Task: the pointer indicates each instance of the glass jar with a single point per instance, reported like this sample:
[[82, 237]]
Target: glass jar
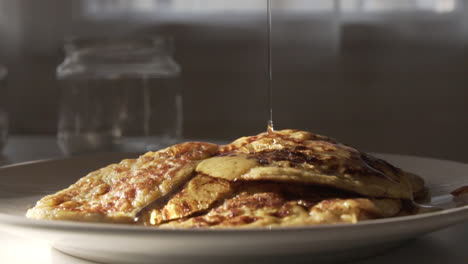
[[118, 94], [3, 108]]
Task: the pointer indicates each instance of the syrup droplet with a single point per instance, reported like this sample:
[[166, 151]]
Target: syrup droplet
[[270, 128]]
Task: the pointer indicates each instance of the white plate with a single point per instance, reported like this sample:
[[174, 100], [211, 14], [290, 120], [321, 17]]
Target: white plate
[[21, 185]]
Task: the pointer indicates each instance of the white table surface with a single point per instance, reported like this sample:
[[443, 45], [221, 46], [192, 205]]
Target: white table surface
[[448, 246]]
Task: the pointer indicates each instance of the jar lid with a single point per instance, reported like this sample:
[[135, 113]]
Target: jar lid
[[117, 57]]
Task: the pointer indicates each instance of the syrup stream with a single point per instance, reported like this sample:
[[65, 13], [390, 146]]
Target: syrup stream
[[270, 128]]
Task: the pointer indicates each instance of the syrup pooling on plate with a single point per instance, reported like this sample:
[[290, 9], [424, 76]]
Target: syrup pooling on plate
[[460, 196]]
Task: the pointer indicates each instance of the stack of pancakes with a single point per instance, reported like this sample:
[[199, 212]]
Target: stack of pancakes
[[280, 178]]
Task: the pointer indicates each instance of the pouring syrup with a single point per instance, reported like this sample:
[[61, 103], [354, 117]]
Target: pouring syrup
[[270, 128]]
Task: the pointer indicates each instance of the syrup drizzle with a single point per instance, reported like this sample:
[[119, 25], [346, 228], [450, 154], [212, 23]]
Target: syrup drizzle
[[270, 128]]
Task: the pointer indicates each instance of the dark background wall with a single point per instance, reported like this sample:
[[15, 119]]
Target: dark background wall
[[385, 76]]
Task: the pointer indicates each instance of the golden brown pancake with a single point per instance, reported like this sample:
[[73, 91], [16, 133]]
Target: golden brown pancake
[[281, 178], [297, 156], [197, 195], [118, 192], [204, 192], [272, 210]]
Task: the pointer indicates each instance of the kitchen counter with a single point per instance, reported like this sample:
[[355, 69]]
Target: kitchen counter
[[444, 246]]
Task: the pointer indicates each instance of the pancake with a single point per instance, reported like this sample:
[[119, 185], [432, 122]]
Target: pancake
[[296, 156], [197, 195], [270, 209], [204, 192], [118, 192], [280, 178]]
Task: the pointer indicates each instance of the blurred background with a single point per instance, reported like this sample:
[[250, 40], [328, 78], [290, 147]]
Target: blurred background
[[384, 76]]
